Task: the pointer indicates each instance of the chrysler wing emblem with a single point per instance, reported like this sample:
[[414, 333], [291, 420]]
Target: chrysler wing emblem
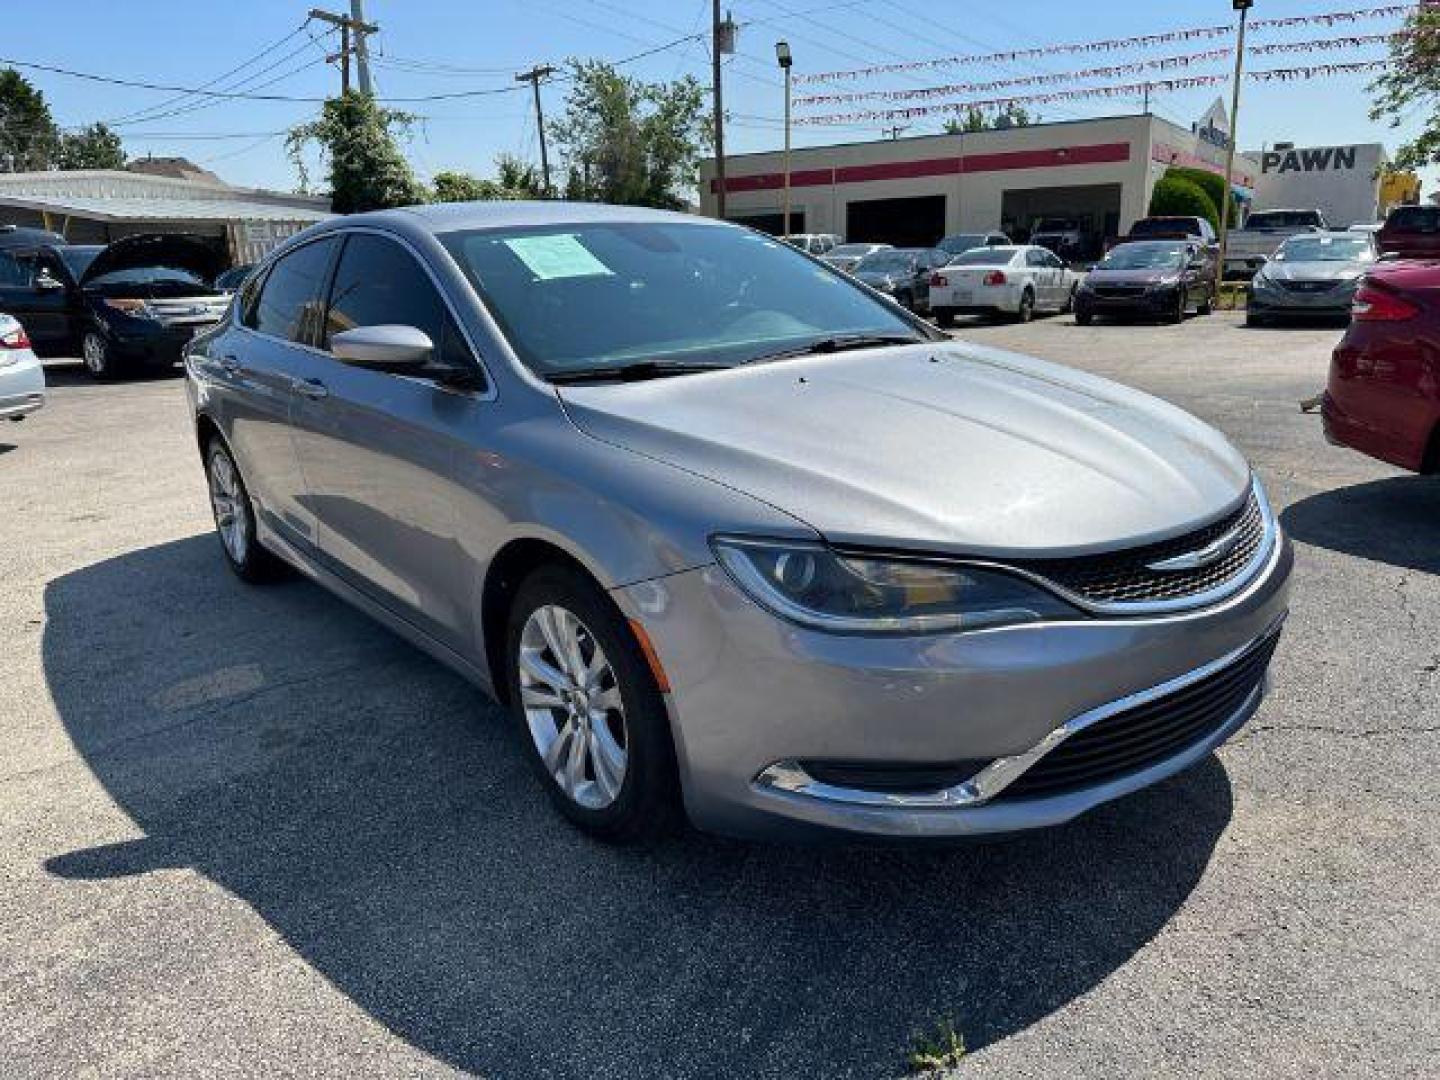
[[1200, 557]]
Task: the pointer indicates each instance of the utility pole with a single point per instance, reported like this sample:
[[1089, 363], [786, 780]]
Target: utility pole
[[533, 77], [786, 60], [894, 131], [353, 32], [1242, 6], [362, 50], [1147, 98], [722, 40]]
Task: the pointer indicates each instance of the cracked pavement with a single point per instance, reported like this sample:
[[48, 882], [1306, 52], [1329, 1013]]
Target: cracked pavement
[[247, 832]]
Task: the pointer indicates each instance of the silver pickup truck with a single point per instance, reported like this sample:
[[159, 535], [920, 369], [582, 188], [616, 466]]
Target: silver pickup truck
[[1247, 249]]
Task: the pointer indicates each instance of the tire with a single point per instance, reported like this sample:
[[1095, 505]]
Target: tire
[[1026, 311], [1178, 315], [905, 300], [1207, 306], [1083, 317], [235, 518], [944, 318], [1253, 318], [629, 798], [1070, 300], [100, 362]]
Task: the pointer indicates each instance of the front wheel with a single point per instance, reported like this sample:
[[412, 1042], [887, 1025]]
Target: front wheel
[[1070, 300], [944, 318], [1083, 317], [905, 300], [588, 704], [1177, 314], [95, 351], [1207, 305]]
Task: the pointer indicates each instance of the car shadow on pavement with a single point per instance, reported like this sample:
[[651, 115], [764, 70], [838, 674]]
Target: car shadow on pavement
[[375, 809], [1395, 521]]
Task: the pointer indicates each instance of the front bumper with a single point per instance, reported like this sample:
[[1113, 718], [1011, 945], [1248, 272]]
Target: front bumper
[[22, 388], [750, 692], [1152, 302], [154, 343], [1282, 303]]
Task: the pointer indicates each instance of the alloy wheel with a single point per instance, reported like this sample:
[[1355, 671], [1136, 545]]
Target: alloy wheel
[[232, 510], [93, 351], [573, 707]]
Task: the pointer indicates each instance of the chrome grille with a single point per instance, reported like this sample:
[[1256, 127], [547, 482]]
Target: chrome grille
[[1308, 286], [1128, 577], [1138, 738]]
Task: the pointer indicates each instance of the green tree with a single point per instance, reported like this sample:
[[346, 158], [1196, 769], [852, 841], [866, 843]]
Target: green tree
[[357, 137], [1411, 83], [28, 137], [93, 147], [1011, 116], [1176, 195], [514, 179], [626, 141]]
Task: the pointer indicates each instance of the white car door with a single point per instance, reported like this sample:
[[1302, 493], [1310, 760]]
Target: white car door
[[1042, 276]]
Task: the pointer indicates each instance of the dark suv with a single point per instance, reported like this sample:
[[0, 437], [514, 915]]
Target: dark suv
[[1411, 232]]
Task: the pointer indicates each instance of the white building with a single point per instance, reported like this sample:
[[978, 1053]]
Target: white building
[[914, 191], [97, 206], [1341, 181]]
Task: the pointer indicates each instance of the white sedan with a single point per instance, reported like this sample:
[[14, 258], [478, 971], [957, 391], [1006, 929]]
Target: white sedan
[[22, 379], [1017, 280]]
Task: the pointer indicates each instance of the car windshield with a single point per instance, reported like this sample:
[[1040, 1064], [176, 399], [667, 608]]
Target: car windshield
[[962, 242], [1165, 227], [1415, 219], [148, 275], [78, 257], [996, 256], [607, 295], [1326, 249], [887, 262], [852, 250], [1144, 257]]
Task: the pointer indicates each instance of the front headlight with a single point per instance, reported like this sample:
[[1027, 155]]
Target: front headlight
[[809, 584]]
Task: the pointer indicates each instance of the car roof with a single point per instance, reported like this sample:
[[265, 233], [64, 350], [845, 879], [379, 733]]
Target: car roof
[[506, 214]]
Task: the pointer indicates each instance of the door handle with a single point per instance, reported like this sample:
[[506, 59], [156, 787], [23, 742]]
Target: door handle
[[313, 389]]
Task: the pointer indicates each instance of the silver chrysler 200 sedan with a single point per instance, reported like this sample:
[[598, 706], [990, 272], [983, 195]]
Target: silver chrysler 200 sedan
[[731, 534]]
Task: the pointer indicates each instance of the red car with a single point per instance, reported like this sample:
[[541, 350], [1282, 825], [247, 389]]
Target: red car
[[1411, 232], [1383, 397]]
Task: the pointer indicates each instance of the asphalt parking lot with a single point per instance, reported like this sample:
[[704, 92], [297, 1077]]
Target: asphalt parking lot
[[248, 832]]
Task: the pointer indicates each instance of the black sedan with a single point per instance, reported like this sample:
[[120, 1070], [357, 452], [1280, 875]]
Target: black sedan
[[1158, 279], [902, 274]]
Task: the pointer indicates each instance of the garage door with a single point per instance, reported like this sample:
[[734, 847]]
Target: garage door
[[917, 222]]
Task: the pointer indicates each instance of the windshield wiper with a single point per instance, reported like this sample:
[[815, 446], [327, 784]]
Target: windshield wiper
[[840, 343], [636, 372]]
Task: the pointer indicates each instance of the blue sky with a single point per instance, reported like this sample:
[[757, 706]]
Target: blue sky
[[437, 46]]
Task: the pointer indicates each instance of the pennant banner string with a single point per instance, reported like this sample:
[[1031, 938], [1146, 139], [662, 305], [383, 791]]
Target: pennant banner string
[[1113, 44]]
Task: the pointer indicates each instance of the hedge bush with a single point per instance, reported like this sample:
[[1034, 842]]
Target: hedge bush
[[1175, 195]]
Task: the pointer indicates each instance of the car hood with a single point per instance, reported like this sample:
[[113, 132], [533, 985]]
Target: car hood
[[936, 447], [1315, 271], [200, 255], [1146, 276]]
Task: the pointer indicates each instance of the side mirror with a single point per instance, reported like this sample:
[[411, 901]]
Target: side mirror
[[384, 348], [1390, 256]]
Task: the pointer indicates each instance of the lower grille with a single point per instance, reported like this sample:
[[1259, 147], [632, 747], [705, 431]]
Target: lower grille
[[893, 779], [1119, 292], [1138, 738], [1130, 577], [1308, 286]]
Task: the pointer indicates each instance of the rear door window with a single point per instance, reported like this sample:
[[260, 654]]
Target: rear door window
[[292, 295]]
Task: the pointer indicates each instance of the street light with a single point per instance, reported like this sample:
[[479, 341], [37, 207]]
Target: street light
[[783, 57]]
